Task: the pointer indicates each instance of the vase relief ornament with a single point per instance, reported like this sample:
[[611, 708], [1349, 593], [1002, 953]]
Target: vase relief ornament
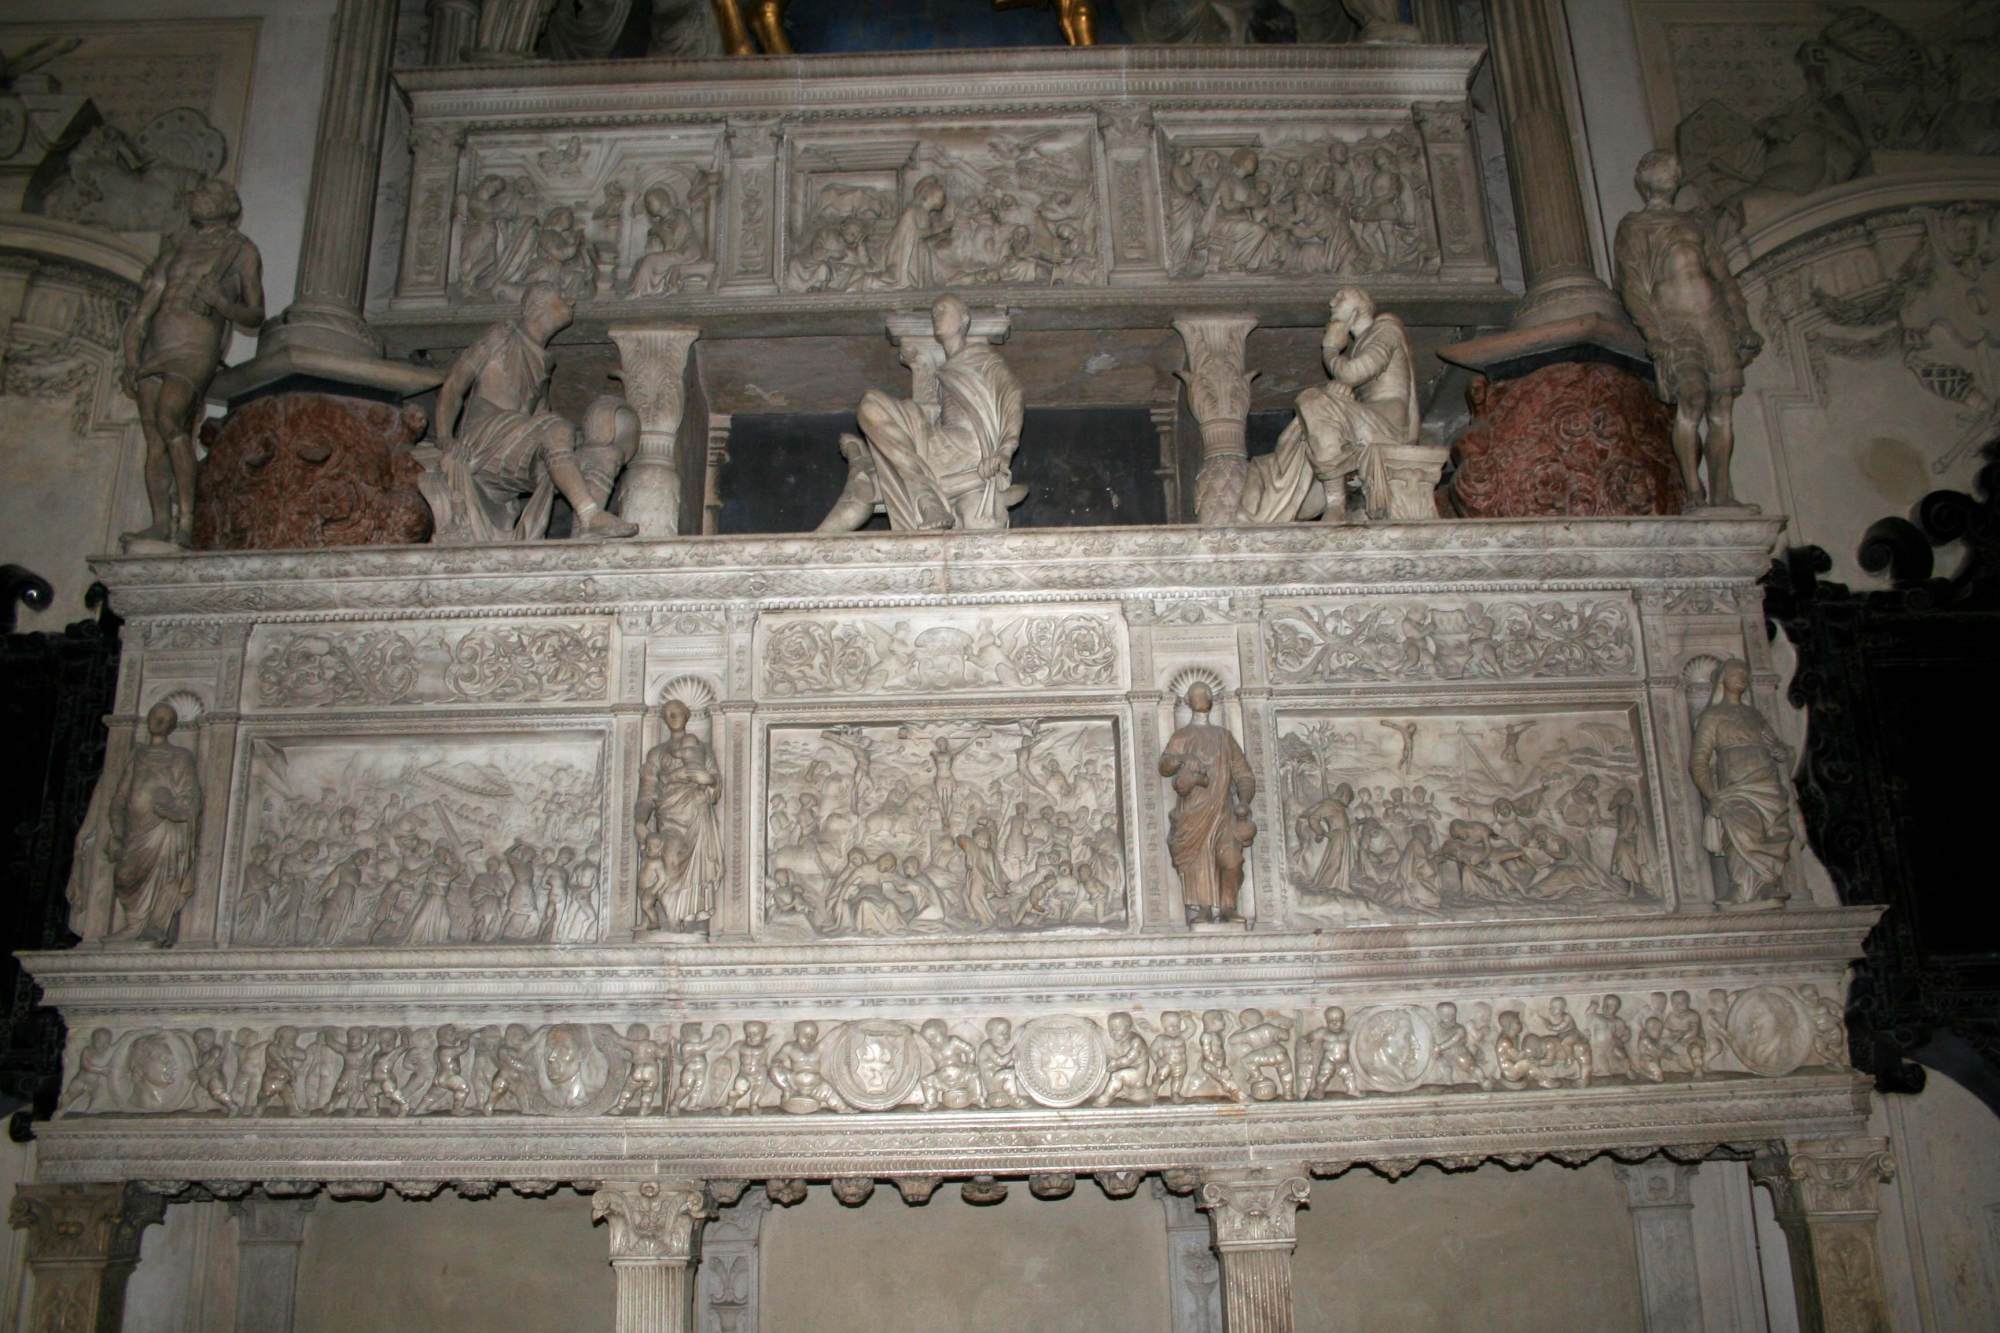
[[1676, 284], [1491, 1044], [1210, 828], [505, 455], [943, 828], [675, 822], [948, 471], [1738, 764], [208, 279]]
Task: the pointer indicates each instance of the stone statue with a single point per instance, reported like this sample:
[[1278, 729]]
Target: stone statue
[[1210, 824], [205, 280], [1381, 21], [680, 839], [505, 460], [1077, 18], [1676, 284], [1344, 426], [508, 29], [747, 27], [937, 475], [155, 814], [1738, 765]]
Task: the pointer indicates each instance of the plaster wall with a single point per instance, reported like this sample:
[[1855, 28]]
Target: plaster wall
[[1947, 1201]]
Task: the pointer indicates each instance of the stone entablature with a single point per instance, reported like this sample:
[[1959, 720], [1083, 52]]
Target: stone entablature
[[1086, 188]]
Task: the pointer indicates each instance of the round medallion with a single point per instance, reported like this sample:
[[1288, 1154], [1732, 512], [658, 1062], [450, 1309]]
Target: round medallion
[[1392, 1047], [1062, 1060], [1770, 1030], [873, 1064]]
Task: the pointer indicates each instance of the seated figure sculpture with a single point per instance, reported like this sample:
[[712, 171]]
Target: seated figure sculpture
[[1370, 404], [505, 454], [953, 472]]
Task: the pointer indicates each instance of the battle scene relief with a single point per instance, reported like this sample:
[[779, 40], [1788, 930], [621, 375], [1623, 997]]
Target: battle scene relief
[[1465, 816], [937, 828], [421, 842]]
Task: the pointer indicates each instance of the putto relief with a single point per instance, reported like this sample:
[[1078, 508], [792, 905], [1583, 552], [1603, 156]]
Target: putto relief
[[956, 827], [960, 208], [1238, 206], [1446, 638], [984, 652], [1466, 816], [1476, 1043], [421, 841]]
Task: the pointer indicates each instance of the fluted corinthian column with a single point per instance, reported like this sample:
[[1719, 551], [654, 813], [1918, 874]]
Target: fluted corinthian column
[[653, 360], [83, 1242], [325, 315], [1527, 47], [654, 1224], [1823, 1192], [1255, 1215], [1218, 389]]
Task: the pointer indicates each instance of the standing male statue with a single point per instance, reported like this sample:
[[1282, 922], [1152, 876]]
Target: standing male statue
[[948, 473], [1738, 766], [1342, 426], [680, 839], [206, 279], [1210, 826], [1674, 281], [507, 456], [154, 815]]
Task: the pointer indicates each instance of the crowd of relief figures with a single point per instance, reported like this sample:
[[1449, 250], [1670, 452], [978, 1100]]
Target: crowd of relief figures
[[943, 827], [444, 842], [806, 1066], [1466, 815], [1300, 207], [1448, 638]]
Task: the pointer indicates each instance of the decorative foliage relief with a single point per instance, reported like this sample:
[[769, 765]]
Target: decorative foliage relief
[[326, 668], [1452, 639], [421, 841], [1466, 816], [943, 827], [1492, 1043], [811, 657]]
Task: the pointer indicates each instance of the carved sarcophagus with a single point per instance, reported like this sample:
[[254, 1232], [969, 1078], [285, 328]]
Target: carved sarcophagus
[[866, 852]]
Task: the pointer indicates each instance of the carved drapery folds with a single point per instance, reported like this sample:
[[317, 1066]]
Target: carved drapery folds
[[1824, 1194]]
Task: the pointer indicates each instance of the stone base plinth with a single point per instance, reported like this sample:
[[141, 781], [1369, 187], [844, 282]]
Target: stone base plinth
[[1576, 439], [308, 470]]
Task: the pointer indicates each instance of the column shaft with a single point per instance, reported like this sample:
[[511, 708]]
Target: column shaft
[[1257, 1291], [340, 204], [1255, 1212], [1218, 389], [653, 360], [1823, 1192], [653, 1296]]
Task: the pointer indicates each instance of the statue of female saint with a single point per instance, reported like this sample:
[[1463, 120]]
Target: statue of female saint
[[154, 815], [1210, 826], [1738, 767], [675, 820]]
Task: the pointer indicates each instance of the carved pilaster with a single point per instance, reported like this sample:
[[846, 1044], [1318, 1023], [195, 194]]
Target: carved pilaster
[[1466, 249], [654, 1225], [268, 1235], [454, 23], [427, 229], [340, 204], [1254, 1212], [653, 359], [1824, 1194], [729, 1284], [1659, 1194], [1218, 390], [1526, 44], [83, 1242], [750, 241], [1133, 190], [1194, 1280]]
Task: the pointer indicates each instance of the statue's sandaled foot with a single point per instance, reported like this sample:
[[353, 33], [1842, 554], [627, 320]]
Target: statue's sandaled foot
[[604, 523]]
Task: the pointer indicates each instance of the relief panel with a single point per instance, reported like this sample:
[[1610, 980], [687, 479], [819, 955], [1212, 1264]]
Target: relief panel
[[1467, 816], [956, 207], [1001, 650], [445, 662], [420, 841], [1452, 638], [965, 826]]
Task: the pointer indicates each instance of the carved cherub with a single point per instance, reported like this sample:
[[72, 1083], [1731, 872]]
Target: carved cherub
[[277, 1089], [1686, 1046], [999, 1083], [644, 1080], [1170, 1058], [1212, 1054], [795, 1069], [1829, 1027], [209, 1072], [385, 1089], [1649, 1049], [694, 1054], [1131, 1064], [1264, 1053], [1333, 1061], [753, 1069], [514, 1074], [953, 1084], [449, 1089], [1612, 1050], [1568, 1039], [92, 1078], [1454, 1057]]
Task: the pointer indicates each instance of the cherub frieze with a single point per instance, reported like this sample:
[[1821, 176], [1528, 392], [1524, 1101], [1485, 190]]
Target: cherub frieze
[[1491, 1044]]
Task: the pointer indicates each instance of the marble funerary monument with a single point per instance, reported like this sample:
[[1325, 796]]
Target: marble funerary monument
[[1312, 832]]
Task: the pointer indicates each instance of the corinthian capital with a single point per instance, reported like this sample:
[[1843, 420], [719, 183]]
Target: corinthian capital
[[652, 1219]]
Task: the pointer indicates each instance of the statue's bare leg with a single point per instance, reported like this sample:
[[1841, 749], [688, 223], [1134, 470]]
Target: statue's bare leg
[[159, 466], [179, 406], [735, 35], [591, 517], [1690, 410], [1719, 446], [767, 19]]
